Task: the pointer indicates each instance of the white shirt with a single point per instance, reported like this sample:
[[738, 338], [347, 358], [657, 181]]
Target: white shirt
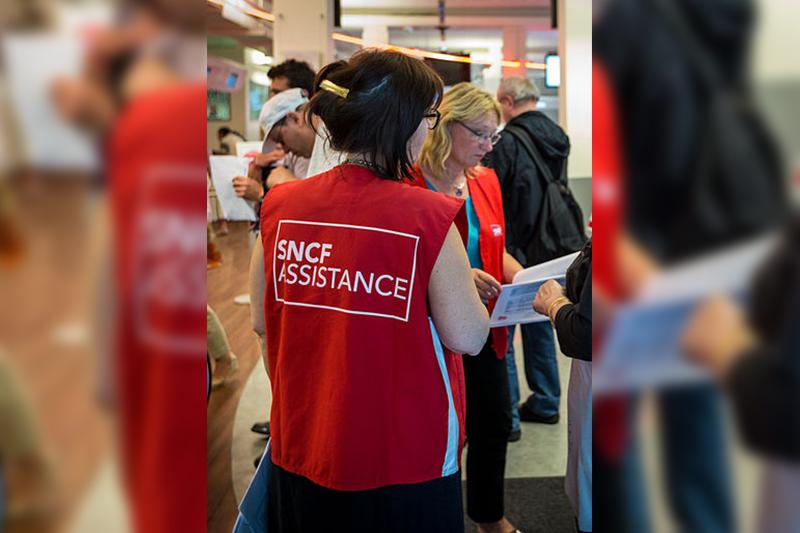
[[323, 157]]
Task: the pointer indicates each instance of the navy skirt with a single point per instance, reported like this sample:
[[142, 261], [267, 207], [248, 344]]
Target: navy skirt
[[296, 505]]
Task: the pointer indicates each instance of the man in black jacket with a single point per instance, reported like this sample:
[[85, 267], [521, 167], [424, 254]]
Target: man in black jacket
[[523, 194]]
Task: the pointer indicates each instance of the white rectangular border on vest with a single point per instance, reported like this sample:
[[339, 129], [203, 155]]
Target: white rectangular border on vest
[[332, 308]]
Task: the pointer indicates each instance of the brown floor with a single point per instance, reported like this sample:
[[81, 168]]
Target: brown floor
[[224, 283], [44, 290]]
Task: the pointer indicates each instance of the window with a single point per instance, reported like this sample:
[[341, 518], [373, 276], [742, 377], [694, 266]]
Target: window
[[258, 95], [218, 106]]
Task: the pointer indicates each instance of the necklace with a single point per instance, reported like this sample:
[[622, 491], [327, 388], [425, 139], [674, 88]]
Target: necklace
[[377, 169], [459, 189]]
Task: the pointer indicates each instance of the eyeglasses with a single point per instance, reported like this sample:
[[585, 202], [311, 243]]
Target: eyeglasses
[[491, 137], [433, 118]]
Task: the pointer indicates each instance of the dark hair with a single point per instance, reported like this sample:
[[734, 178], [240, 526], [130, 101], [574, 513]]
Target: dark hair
[[299, 74], [389, 93], [323, 73], [225, 130]]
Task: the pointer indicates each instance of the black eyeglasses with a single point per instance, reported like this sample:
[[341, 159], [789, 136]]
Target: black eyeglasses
[[433, 119], [491, 137]]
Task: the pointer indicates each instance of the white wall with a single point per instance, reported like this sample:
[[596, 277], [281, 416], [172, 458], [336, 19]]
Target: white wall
[[302, 31], [575, 106]]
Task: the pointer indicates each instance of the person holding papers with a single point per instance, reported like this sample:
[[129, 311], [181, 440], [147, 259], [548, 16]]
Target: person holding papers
[[754, 353], [570, 311], [449, 164]]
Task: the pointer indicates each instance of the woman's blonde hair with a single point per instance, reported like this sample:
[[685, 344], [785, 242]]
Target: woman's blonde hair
[[463, 102]]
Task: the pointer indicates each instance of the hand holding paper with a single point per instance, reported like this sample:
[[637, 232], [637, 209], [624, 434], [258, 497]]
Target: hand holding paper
[[548, 296], [515, 305], [646, 342], [223, 169], [247, 188]]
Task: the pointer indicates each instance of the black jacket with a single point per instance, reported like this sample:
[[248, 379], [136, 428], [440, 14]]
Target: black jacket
[[520, 180], [573, 321], [679, 203], [765, 383]]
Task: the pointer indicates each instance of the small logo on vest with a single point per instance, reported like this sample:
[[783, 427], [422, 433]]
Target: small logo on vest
[[497, 230]]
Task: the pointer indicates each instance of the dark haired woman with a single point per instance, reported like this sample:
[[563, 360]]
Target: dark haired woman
[[367, 282]]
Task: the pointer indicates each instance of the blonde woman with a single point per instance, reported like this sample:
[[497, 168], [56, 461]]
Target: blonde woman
[[449, 164]]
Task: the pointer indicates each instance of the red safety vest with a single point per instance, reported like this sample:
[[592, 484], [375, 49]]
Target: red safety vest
[[484, 189], [364, 395], [157, 180]]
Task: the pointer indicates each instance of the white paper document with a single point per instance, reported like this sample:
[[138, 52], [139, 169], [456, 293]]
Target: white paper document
[[223, 169], [244, 148], [642, 347], [515, 304], [555, 268]]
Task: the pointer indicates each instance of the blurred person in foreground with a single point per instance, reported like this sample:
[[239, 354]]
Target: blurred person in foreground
[[698, 172], [367, 396], [570, 311], [145, 75], [450, 164], [755, 356]]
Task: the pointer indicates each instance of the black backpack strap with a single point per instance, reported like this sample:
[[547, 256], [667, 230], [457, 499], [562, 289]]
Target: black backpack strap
[[522, 136]]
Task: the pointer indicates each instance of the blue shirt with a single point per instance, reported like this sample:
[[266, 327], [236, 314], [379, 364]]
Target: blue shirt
[[473, 247]]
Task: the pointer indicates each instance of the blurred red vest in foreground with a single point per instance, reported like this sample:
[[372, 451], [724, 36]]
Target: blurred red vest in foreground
[[157, 172]]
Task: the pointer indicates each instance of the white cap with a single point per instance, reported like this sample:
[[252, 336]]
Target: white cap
[[275, 109]]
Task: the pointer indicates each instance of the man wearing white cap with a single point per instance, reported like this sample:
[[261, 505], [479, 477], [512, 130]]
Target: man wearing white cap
[[283, 122], [288, 143]]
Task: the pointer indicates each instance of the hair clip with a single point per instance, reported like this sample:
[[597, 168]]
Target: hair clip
[[331, 87]]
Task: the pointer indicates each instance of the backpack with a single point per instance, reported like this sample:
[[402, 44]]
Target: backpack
[[559, 227], [736, 189]]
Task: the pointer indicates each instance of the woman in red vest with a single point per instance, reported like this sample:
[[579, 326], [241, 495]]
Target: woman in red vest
[[449, 165], [368, 289]]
